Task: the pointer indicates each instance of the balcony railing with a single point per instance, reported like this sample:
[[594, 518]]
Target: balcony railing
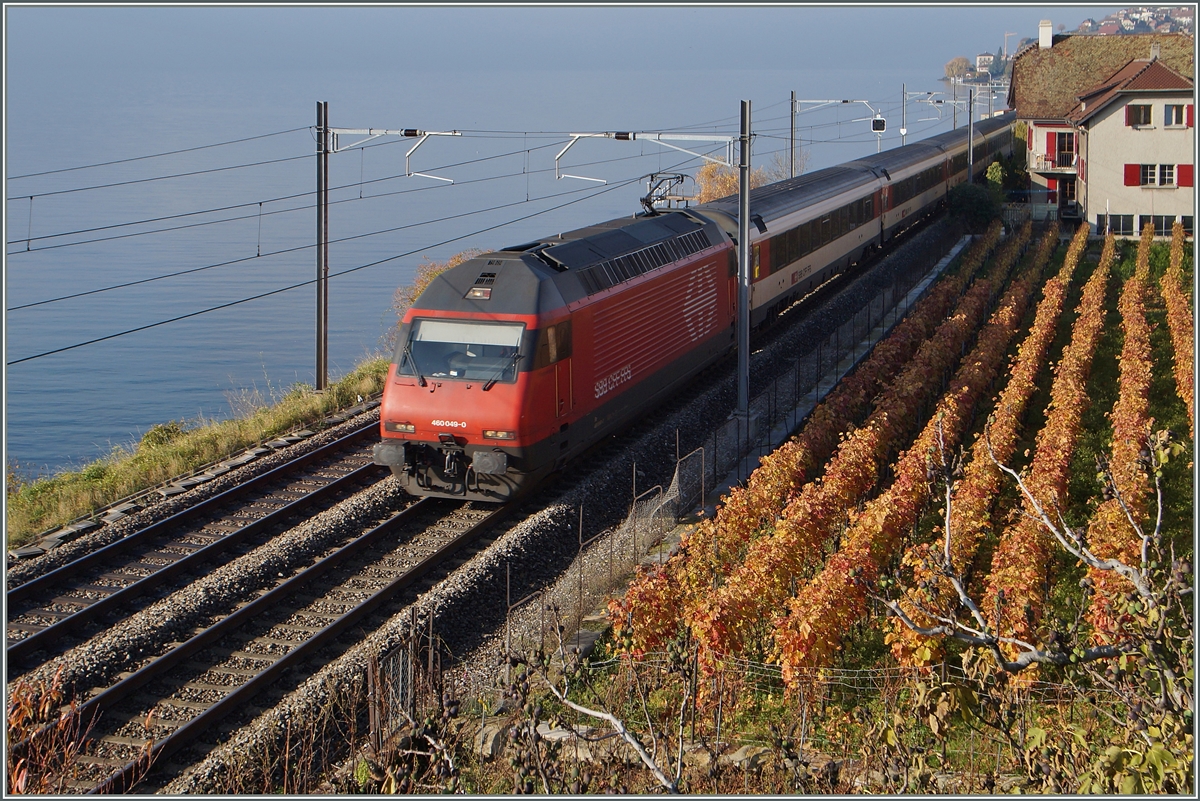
[[1055, 162]]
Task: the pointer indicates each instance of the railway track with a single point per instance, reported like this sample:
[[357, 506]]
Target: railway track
[[155, 713], [57, 609]]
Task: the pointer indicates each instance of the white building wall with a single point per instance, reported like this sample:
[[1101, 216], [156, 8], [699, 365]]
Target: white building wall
[[1107, 145]]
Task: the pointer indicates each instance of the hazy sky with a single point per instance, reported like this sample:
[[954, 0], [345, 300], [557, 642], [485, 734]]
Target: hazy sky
[[538, 38]]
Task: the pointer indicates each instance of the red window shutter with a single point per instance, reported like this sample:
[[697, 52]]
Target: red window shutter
[[1183, 175], [1051, 184], [1128, 116], [1133, 174], [1050, 142], [1190, 124]]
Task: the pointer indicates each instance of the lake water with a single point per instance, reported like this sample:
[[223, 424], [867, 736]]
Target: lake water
[[71, 407]]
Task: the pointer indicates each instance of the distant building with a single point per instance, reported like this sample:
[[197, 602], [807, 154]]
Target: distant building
[[1048, 79], [1109, 29], [983, 62]]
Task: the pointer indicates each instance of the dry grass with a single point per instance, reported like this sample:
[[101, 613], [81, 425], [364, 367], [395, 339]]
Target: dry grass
[[173, 449]]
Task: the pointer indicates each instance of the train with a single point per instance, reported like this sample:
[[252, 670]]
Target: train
[[513, 363]]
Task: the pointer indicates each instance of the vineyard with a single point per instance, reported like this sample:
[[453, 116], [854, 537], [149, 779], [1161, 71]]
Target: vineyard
[[1003, 489]]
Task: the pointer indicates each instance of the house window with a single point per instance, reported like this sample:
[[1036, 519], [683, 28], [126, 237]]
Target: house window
[[1119, 224], [1187, 221], [1137, 115], [1166, 174], [1162, 223], [1173, 115], [1148, 175]]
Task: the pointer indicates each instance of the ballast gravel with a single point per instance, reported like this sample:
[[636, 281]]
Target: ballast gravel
[[158, 508], [175, 618], [468, 608]]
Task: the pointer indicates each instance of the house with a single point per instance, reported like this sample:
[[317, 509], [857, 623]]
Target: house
[[1135, 157], [1048, 78], [983, 62]]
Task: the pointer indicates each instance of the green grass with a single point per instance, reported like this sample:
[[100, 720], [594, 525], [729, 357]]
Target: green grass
[[173, 449]]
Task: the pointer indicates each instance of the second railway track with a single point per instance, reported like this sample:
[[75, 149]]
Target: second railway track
[[55, 610]]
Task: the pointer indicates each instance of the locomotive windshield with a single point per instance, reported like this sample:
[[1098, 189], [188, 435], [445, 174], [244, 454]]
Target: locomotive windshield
[[462, 349]]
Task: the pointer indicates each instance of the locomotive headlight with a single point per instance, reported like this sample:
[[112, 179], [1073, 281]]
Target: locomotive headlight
[[479, 292], [491, 433], [399, 428]]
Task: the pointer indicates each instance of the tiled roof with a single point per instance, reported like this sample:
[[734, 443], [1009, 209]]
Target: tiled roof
[[1046, 83], [1139, 75]]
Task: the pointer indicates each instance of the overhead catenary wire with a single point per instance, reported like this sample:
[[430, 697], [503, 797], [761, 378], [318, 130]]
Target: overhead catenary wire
[[249, 204], [285, 251], [481, 133], [280, 198], [306, 246], [156, 155], [611, 187]]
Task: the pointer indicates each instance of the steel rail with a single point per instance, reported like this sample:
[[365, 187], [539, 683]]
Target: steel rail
[[17, 653], [125, 778], [54, 577]]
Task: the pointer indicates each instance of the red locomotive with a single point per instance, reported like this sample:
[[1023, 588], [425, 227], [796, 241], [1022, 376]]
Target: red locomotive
[[514, 362]]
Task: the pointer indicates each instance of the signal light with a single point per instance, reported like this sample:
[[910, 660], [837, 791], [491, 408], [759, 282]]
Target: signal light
[[879, 125], [491, 433]]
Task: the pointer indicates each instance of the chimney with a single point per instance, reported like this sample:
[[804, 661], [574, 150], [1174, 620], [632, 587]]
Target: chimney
[[1045, 34], [1154, 51]]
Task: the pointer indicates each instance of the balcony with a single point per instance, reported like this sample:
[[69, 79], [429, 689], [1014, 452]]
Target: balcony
[[1054, 163]]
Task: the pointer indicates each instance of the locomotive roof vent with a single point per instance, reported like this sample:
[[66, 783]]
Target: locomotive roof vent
[[486, 279]]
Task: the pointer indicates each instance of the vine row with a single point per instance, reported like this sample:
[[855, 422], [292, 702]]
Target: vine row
[[975, 494], [1015, 594], [655, 603], [732, 617], [1179, 321], [1109, 534], [824, 610]]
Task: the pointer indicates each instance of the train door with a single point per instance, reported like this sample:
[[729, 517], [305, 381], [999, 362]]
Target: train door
[[562, 380]]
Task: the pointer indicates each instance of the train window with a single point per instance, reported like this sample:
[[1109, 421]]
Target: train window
[[464, 349], [554, 345], [803, 240], [868, 208]]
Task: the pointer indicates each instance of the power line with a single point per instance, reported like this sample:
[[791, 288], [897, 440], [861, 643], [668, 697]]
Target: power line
[[242, 205], [158, 178], [156, 155], [291, 197], [314, 280], [287, 250]]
